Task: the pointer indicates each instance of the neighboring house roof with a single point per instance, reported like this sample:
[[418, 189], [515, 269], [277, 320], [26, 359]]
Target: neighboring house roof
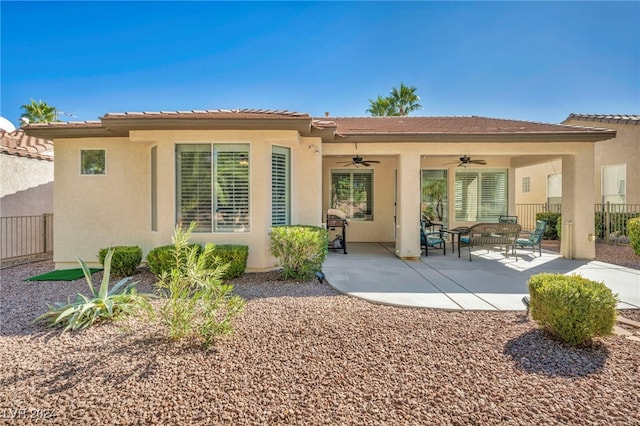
[[632, 119], [338, 129], [22, 145]]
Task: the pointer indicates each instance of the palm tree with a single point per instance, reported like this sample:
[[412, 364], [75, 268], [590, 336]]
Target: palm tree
[[401, 102], [405, 99], [39, 112], [381, 107]]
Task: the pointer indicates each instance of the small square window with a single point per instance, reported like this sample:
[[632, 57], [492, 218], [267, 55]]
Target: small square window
[[92, 162]]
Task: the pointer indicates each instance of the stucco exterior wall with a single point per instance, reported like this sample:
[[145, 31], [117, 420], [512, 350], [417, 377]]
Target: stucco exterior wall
[[97, 211], [122, 198], [537, 181], [26, 186], [623, 149]]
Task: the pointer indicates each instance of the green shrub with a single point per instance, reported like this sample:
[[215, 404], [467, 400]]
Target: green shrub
[[559, 227], [229, 254], [162, 259], [572, 307], [551, 233], [125, 261], [198, 303], [300, 249], [101, 305], [634, 234]]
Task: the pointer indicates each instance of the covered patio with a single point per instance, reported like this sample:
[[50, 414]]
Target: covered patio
[[491, 282]]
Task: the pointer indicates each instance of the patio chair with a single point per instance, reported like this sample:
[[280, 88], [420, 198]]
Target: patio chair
[[535, 237], [507, 219], [432, 240]]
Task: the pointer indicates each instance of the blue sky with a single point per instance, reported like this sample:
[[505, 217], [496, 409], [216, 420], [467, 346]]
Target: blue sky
[[536, 61]]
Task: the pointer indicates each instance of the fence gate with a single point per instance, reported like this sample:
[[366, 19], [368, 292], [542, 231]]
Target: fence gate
[[25, 235]]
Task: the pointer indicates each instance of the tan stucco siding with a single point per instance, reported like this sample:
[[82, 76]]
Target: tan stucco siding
[[537, 181], [27, 186], [121, 198], [97, 211], [381, 228], [623, 149]]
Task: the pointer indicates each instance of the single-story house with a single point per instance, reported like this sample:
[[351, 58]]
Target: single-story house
[[129, 178]]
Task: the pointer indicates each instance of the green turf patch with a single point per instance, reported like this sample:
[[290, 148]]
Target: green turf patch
[[62, 275]]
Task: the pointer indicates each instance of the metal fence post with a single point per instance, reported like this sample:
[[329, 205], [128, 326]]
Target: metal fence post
[[607, 222], [44, 233]]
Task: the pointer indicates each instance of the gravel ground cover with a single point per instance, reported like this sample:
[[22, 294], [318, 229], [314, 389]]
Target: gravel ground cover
[[304, 354]]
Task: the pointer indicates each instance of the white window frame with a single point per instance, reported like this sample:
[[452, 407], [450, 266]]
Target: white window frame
[[153, 153], [526, 184], [554, 188], [350, 207], [217, 211], [614, 192], [280, 185], [477, 201]]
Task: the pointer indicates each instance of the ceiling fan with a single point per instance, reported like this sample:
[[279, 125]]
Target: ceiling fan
[[465, 160], [358, 161]]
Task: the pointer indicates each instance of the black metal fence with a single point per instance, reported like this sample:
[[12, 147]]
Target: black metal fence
[[25, 235], [527, 213], [611, 222]]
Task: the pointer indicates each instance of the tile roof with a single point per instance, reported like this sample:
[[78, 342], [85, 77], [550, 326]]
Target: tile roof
[[20, 144], [330, 129], [445, 125], [209, 113], [633, 119]]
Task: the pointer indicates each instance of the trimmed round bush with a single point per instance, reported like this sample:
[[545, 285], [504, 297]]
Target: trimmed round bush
[[233, 255], [551, 233], [162, 259], [125, 259], [573, 308], [300, 249]]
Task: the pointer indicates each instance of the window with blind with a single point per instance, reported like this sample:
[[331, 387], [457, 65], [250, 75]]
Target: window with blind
[[554, 189], [154, 188], [280, 184], [213, 186], [352, 193], [481, 195], [614, 183]]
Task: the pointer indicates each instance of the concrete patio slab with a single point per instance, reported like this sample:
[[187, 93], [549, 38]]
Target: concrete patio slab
[[491, 281]]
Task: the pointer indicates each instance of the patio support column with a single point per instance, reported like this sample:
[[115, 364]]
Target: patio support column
[[578, 195], [408, 206]]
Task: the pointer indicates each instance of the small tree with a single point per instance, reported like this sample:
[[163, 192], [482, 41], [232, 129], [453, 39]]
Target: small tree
[[436, 190], [198, 303], [39, 112], [400, 102]]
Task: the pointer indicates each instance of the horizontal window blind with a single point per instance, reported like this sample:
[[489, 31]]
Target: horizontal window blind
[[280, 199], [232, 188], [352, 193], [481, 195], [194, 186], [213, 186]]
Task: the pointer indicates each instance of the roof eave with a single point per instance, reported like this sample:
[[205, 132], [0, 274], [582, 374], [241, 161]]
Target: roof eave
[[472, 137], [59, 132]]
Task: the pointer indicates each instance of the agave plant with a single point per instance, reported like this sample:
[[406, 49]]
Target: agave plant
[[123, 299]]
